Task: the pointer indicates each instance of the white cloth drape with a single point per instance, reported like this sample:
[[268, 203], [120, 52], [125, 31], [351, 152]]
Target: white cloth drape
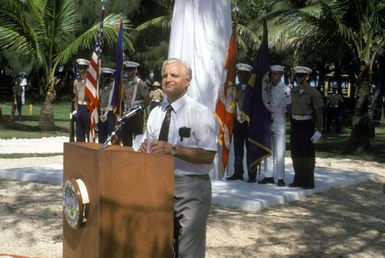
[[200, 34]]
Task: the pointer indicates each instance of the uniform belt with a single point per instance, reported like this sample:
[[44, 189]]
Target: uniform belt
[[104, 109], [302, 117], [84, 102]]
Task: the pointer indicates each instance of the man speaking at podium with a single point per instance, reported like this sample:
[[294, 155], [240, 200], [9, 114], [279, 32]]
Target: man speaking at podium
[[184, 128]]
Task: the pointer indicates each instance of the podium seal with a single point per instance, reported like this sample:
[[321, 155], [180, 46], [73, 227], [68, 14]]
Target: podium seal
[[75, 202]]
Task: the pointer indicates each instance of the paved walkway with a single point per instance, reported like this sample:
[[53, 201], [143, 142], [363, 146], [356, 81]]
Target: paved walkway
[[230, 194]]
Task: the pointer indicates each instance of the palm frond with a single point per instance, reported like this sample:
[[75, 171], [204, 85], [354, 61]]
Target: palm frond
[[88, 38], [161, 22]]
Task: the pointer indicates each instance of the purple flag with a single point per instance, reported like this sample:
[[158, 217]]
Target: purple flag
[[117, 94], [259, 115]]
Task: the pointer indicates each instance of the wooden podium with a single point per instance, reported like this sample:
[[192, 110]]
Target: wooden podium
[[130, 213]]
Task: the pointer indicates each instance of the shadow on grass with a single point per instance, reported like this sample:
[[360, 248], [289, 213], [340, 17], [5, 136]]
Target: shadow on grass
[[29, 128]]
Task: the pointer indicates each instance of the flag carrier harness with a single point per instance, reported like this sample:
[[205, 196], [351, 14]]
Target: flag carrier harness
[[120, 122]]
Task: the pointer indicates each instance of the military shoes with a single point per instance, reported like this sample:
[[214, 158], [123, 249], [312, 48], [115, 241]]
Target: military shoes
[[280, 183], [235, 177], [266, 180]]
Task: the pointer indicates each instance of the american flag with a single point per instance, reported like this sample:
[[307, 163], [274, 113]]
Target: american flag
[[92, 82]]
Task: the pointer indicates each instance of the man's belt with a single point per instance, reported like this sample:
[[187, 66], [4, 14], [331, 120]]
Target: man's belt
[[84, 102], [302, 117], [133, 106], [104, 109]]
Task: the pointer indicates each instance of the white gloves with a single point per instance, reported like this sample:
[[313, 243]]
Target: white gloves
[[316, 136], [73, 114]]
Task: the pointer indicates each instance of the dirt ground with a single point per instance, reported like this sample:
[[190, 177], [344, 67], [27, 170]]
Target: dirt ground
[[343, 222]]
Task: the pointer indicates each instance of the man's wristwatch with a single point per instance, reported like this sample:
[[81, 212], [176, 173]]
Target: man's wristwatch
[[173, 150]]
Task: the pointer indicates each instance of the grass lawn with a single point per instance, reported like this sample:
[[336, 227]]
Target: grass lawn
[[29, 127]]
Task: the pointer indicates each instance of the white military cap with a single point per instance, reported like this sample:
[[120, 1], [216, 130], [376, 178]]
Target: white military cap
[[108, 71], [302, 70], [244, 67], [83, 62], [156, 84], [277, 68], [130, 64]]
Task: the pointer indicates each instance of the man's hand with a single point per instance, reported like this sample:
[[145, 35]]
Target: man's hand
[[316, 137], [73, 114], [161, 147], [145, 146]]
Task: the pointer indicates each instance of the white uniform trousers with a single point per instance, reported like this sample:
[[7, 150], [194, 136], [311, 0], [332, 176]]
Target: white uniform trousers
[[275, 164]]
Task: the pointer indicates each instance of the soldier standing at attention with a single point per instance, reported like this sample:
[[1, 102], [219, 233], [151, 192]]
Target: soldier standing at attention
[[277, 99], [240, 128], [107, 119], [81, 112], [306, 127], [136, 93]]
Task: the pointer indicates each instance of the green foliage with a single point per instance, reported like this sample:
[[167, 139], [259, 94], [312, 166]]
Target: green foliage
[[45, 31]]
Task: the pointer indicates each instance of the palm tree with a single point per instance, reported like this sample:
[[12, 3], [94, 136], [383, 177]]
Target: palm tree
[[341, 27], [44, 31], [363, 29]]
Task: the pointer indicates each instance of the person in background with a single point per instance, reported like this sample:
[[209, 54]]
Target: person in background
[[334, 104], [18, 89], [156, 95], [306, 127], [240, 127], [277, 99], [136, 94], [107, 119], [80, 102], [185, 129]]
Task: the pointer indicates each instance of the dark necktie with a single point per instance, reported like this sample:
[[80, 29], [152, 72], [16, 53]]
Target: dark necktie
[[163, 135]]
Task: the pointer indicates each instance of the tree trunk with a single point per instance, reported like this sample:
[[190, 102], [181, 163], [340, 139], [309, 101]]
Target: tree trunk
[[47, 121], [362, 126], [379, 91]]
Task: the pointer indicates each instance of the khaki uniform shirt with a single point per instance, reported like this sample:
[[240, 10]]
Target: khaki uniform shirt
[[105, 95], [156, 95], [141, 92], [79, 90], [306, 102]]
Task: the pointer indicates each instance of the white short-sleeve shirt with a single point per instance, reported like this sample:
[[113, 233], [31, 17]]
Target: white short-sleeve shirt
[[280, 98], [191, 116]]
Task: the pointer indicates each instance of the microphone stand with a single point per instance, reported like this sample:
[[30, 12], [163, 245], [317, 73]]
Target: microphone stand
[[120, 122]]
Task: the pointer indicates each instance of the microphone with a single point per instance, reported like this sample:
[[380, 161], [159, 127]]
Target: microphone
[[119, 122]]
